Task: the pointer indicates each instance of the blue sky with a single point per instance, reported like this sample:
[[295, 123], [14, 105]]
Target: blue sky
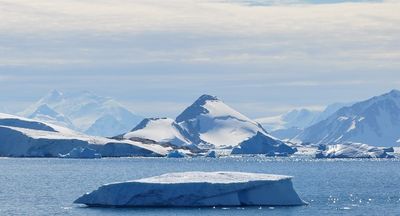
[[156, 57]]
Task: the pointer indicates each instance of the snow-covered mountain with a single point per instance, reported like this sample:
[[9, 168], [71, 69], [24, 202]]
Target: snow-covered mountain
[[375, 121], [207, 123], [299, 118], [22, 137], [46, 114], [95, 115], [289, 125], [161, 130]]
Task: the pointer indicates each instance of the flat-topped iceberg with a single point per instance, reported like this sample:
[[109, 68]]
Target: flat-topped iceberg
[[352, 150], [197, 189]]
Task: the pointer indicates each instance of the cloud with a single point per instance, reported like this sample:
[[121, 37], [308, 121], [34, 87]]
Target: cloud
[[286, 55], [84, 32]]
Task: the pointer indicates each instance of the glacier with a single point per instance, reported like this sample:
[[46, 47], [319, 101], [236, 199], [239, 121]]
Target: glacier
[[197, 189], [22, 137], [352, 150]]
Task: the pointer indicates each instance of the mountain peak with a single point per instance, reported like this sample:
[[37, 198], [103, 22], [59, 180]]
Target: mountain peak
[[54, 95], [205, 97], [196, 108], [394, 92]]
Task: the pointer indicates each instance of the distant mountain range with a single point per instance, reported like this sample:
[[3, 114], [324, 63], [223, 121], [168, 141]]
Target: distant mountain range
[[210, 123], [298, 118], [375, 121], [83, 111]]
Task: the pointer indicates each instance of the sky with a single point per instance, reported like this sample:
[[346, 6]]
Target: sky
[[156, 57]]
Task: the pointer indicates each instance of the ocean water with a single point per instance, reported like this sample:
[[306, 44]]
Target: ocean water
[[33, 186]]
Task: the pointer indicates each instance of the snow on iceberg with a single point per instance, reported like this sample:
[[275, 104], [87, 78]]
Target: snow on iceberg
[[352, 150], [262, 144], [197, 189], [81, 152]]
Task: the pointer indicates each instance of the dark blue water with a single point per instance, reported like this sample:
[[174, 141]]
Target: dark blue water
[[332, 187]]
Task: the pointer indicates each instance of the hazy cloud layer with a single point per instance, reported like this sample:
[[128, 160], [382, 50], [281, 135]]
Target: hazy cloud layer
[[261, 56]]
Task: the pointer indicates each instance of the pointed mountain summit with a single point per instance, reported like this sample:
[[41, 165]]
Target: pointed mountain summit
[[210, 122], [375, 121]]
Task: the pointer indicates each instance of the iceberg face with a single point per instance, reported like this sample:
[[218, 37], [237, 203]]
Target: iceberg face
[[212, 154], [81, 152], [14, 121], [176, 154], [197, 189], [352, 150], [262, 144]]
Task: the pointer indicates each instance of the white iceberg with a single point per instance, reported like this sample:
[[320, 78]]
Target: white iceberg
[[82, 152], [352, 150], [197, 189]]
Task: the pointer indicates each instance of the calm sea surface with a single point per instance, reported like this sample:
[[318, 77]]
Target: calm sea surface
[[332, 187]]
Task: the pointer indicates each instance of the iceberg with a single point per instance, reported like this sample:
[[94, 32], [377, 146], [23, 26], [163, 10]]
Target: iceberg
[[197, 189], [352, 150], [262, 144], [81, 152], [212, 154], [176, 154]]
